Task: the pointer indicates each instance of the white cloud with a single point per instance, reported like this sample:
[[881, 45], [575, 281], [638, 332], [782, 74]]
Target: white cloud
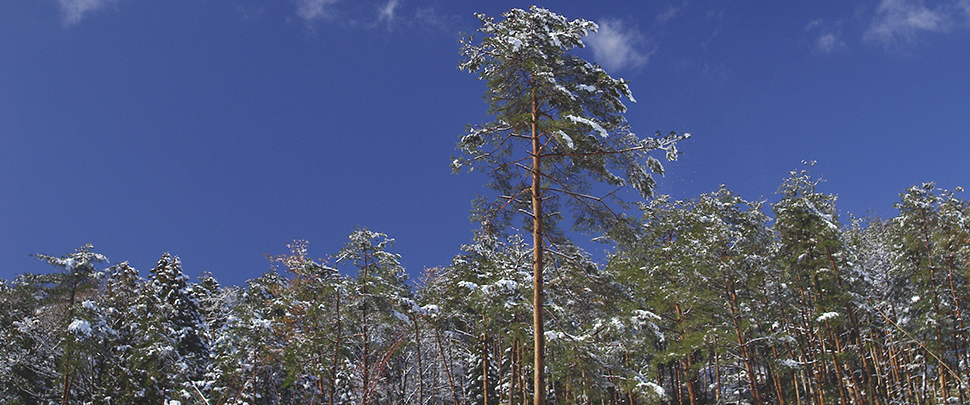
[[829, 36], [75, 10], [310, 10], [901, 20], [386, 12], [615, 47], [827, 43]]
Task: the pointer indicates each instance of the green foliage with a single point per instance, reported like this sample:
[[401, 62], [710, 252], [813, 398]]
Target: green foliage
[[704, 300], [554, 105]]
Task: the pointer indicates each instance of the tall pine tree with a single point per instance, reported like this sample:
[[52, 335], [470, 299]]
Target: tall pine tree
[[558, 129]]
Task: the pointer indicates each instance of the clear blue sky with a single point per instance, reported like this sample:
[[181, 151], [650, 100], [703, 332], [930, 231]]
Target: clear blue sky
[[221, 130]]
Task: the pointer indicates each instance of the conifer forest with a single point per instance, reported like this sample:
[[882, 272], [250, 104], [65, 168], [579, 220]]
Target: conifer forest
[[710, 300]]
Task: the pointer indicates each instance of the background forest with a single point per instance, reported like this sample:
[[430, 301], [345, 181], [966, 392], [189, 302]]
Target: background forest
[[715, 300]]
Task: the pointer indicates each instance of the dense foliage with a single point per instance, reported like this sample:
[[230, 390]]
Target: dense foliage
[[712, 301]]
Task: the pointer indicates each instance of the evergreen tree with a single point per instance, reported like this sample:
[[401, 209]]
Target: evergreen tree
[[316, 324], [32, 333], [488, 300], [442, 316], [122, 378], [931, 233], [175, 328], [71, 286], [697, 265], [558, 129], [812, 261], [379, 296], [250, 356]]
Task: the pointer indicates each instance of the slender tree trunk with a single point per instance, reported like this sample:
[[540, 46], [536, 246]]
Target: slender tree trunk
[[877, 378], [717, 373], [678, 387], [444, 362], [959, 344], [630, 394], [335, 363], [539, 394], [523, 378], [779, 390], [514, 371], [417, 341], [365, 371], [837, 365], [68, 349], [484, 362], [686, 361], [742, 343]]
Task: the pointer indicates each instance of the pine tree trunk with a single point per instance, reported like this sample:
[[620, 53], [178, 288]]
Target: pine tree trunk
[[676, 378], [513, 370], [837, 365], [417, 341], [336, 350], [779, 390], [630, 394], [717, 373], [539, 386], [444, 362], [68, 348], [742, 344], [484, 362], [365, 370], [688, 379]]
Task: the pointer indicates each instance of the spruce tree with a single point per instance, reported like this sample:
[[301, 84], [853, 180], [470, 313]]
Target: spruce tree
[[176, 342]]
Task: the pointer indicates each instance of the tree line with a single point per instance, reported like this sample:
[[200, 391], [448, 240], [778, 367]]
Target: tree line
[[711, 300]]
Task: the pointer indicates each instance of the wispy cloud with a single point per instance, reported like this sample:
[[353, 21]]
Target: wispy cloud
[[617, 47], [667, 15], [829, 36], [386, 12], [250, 12], [310, 10], [430, 18], [899, 21], [73, 11]]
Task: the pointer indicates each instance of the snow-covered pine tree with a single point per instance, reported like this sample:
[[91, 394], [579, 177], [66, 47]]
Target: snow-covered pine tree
[[696, 263], [581, 299], [931, 236], [811, 260], [120, 378], [32, 333], [248, 358], [558, 129], [489, 307], [78, 276], [438, 314], [316, 326], [380, 292], [667, 272]]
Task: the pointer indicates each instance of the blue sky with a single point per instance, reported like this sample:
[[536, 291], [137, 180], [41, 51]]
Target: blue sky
[[221, 130]]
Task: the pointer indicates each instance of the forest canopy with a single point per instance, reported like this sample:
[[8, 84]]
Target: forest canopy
[[715, 298]]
